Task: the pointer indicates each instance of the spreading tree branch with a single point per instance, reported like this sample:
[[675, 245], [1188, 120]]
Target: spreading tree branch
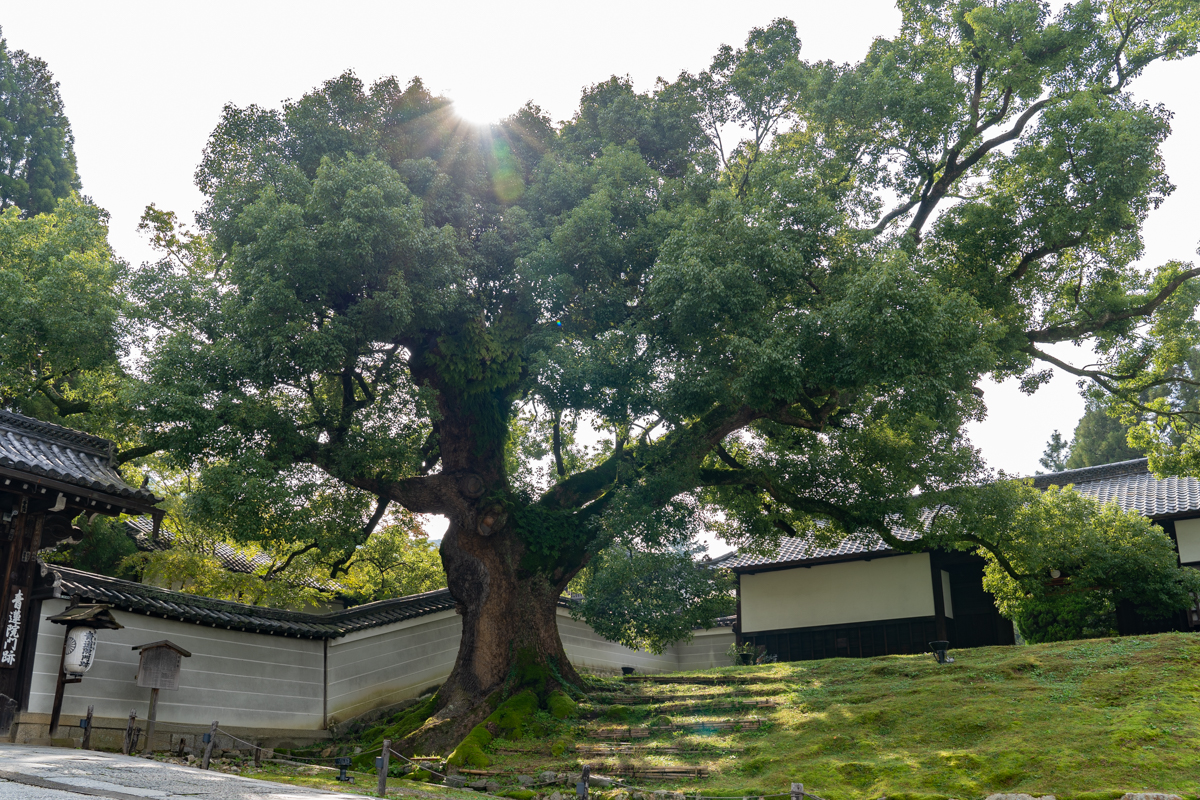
[[1060, 333]]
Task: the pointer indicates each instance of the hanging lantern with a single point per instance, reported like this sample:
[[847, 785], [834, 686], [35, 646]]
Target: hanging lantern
[[79, 651]]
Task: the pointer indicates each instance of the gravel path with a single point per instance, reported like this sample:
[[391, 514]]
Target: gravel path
[[53, 773]]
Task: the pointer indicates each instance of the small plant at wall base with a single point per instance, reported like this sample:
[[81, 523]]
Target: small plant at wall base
[[741, 653]]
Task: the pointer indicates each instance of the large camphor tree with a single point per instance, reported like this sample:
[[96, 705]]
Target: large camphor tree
[[385, 305]]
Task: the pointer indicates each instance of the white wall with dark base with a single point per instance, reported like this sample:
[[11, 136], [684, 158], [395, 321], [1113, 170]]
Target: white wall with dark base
[[243, 679], [380, 666], [894, 587], [262, 684]]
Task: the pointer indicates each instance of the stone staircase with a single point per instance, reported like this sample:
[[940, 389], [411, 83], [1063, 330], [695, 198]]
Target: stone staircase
[[651, 730]]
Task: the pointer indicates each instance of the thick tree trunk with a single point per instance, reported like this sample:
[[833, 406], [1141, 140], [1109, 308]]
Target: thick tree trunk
[[510, 632], [510, 637]]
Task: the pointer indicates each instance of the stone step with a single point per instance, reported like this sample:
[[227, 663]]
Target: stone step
[[650, 750], [701, 680], [656, 773], [619, 699], [618, 733]]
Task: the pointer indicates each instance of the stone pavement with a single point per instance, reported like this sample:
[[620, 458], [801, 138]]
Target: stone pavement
[[54, 773]]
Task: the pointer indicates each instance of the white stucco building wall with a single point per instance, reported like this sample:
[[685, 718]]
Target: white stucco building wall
[[895, 587], [589, 651], [1187, 539], [705, 651]]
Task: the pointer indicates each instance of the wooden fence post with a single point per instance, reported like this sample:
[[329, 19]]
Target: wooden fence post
[[208, 748], [258, 755], [797, 791], [127, 743], [87, 730], [383, 767]]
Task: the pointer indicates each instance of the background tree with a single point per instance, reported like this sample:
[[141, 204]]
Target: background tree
[[1099, 439], [380, 298], [60, 311], [105, 548], [650, 599], [1054, 457], [37, 155], [1068, 562], [397, 560], [1166, 407]]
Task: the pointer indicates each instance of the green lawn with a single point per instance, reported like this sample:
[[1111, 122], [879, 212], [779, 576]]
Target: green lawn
[[1109, 715]]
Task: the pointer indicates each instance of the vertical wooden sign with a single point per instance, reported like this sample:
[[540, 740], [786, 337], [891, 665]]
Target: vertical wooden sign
[[14, 624]]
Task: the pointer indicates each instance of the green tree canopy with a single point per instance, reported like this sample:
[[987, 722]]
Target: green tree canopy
[[60, 312], [649, 599], [1069, 561], [1099, 439], [383, 305], [37, 155]]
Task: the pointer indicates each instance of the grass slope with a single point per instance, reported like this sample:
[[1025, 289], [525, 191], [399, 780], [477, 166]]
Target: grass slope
[[1065, 718], [1086, 720], [1070, 718]]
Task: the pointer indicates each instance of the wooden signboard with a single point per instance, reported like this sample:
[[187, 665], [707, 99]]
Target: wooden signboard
[[159, 668]]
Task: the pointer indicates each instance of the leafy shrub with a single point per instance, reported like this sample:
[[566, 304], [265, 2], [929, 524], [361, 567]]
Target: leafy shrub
[[616, 713], [1059, 617], [1068, 561]]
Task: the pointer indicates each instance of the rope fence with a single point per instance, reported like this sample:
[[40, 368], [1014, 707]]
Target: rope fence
[[417, 765]]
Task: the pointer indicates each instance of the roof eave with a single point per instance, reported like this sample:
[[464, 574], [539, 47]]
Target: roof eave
[[114, 504], [771, 566]]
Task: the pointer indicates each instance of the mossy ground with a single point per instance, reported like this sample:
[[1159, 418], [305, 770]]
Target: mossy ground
[[1085, 720]]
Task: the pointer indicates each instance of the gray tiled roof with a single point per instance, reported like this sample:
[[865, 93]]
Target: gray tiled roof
[[1130, 485], [801, 549], [230, 558], [52, 451], [59, 581]]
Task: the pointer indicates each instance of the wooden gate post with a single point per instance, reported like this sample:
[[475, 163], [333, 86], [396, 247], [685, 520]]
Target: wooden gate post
[[87, 730], [127, 744], [208, 748], [383, 767]]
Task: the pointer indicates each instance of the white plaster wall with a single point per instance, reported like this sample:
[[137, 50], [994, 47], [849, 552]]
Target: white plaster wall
[[381, 666], [948, 600], [588, 650], [256, 680], [241, 679], [1187, 536], [832, 594], [706, 650]]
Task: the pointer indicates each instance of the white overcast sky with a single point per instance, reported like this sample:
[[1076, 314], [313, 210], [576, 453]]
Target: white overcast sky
[[144, 83]]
